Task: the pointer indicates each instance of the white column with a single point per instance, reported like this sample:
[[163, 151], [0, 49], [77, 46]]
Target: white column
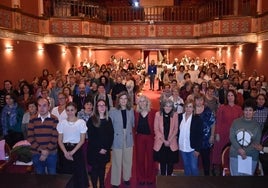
[[235, 7], [259, 6], [40, 8]]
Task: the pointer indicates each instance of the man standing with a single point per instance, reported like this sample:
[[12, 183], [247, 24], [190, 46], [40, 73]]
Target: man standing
[[43, 136], [152, 72], [82, 97]]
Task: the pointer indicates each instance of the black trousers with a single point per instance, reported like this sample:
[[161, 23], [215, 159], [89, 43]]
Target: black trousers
[[205, 157], [98, 173], [79, 178]]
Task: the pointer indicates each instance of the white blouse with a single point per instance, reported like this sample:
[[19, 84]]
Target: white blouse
[[184, 137], [71, 130]]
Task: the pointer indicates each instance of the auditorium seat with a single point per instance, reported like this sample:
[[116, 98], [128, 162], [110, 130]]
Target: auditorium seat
[[225, 160]]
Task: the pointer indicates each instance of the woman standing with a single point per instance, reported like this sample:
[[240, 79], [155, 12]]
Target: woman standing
[[226, 113], [190, 139], [72, 132], [261, 113], [263, 148], [144, 126], [122, 149], [208, 119], [11, 120], [59, 111], [211, 100], [68, 92], [87, 111], [177, 100], [85, 114], [100, 138], [244, 134], [29, 114], [165, 141], [26, 95]]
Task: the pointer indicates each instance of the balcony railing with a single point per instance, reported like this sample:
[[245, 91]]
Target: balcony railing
[[216, 9]]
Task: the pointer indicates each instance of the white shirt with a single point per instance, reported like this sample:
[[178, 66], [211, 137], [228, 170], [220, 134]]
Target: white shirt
[[184, 137], [43, 118], [62, 116], [71, 130]]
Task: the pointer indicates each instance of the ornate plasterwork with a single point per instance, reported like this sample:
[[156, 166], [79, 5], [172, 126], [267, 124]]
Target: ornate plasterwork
[[251, 38]]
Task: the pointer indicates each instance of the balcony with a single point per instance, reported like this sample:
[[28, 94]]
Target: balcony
[[217, 9]]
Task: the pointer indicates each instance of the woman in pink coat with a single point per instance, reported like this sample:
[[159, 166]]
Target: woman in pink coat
[[165, 141]]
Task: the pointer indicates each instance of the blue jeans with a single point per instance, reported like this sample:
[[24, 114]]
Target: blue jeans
[[234, 167], [49, 163], [190, 163]]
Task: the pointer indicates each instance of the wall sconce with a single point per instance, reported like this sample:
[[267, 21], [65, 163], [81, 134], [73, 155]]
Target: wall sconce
[[78, 52], [228, 51], [220, 51], [240, 49], [9, 48], [64, 51], [40, 49], [258, 49]]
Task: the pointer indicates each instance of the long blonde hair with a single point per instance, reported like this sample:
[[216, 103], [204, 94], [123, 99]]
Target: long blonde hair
[[148, 103]]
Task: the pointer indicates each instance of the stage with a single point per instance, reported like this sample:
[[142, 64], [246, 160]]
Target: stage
[[33, 181], [211, 182]]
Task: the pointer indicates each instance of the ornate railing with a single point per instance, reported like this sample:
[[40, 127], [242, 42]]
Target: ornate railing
[[216, 9]]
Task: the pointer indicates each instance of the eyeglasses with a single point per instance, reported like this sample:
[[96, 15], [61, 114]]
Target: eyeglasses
[[101, 105]]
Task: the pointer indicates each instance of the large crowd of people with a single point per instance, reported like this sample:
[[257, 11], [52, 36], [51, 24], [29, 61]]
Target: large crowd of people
[[203, 107]]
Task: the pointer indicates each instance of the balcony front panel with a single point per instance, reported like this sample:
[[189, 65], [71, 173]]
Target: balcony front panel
[[76, 28], [65, 27], [264, 23], [29, 24], [175, 30], [236, 26], [5, 18], [129, 31]]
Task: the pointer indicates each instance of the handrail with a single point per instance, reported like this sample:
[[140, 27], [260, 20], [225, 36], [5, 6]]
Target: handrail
[[211, 10]]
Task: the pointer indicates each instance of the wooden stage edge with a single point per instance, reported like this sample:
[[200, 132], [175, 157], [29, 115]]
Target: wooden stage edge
[[211, 181], [33, 181], [59, 181]]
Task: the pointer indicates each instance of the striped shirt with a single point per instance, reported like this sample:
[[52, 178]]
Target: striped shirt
[[43, 135]]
